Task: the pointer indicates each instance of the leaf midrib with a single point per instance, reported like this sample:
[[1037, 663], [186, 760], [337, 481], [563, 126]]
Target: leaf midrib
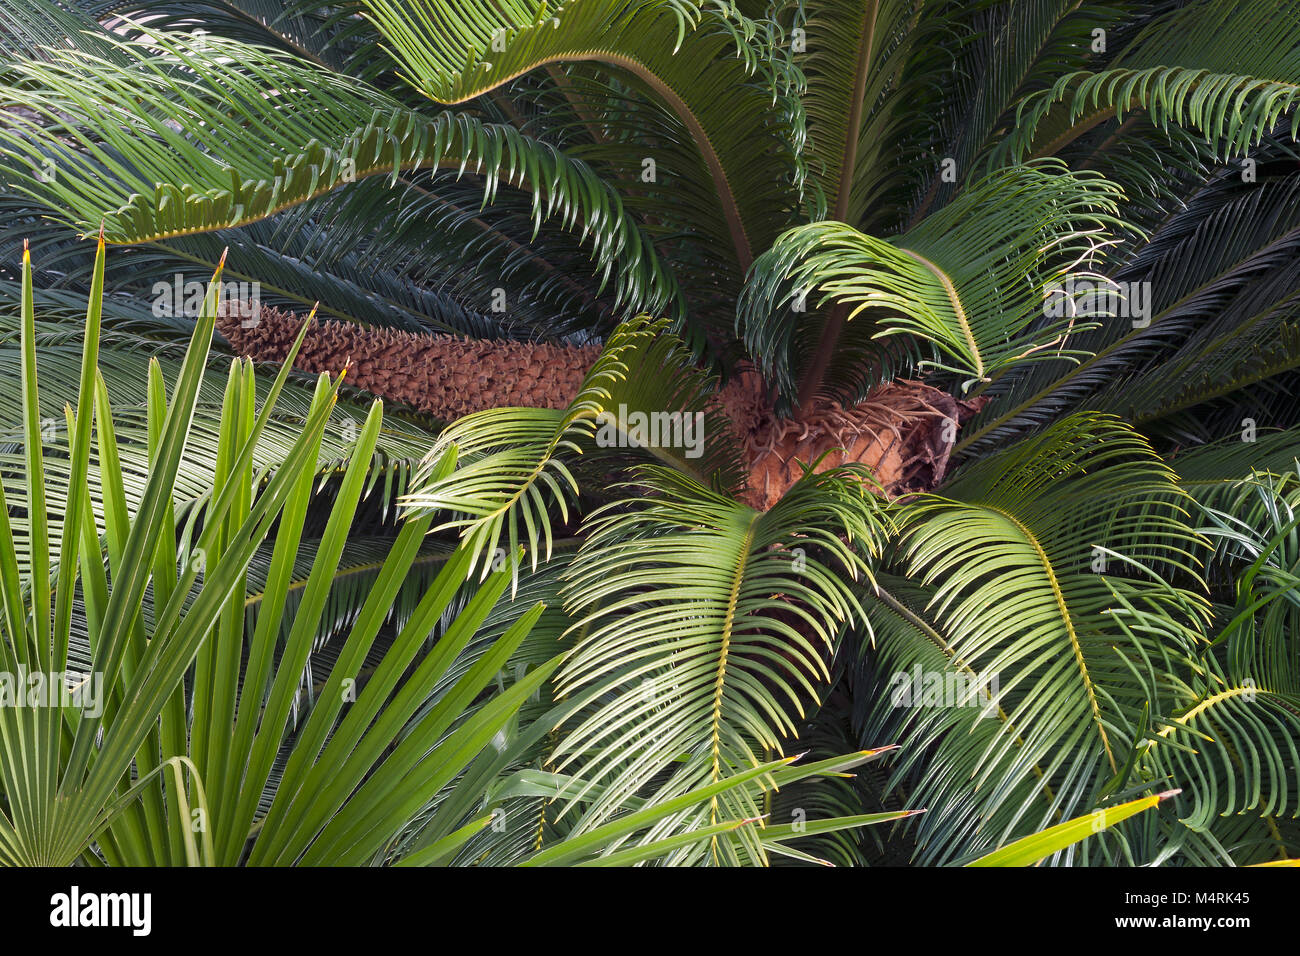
[[715, 729], [1064, 608]]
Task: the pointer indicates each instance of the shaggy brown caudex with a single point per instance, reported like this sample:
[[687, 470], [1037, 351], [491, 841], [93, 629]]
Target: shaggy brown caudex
[[901, 431]]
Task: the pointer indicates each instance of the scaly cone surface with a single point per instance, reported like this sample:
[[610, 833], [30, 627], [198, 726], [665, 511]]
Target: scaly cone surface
[[442, 375], [902, 431]]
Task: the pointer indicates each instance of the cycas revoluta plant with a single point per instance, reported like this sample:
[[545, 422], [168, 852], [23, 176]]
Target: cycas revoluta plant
[[148, 719], [985, 311]]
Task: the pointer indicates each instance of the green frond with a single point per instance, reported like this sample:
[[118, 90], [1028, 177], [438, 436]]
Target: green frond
[[1230, 738], [1215, 474], [145, 181], [978, 279], [869, 64], [701, 627], [703, 61], [512, 467], [1226, 72], [1215, 274], [1044, 565]]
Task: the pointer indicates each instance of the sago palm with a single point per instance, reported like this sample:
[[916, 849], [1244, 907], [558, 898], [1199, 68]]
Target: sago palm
[[984, 311], [162, 703]]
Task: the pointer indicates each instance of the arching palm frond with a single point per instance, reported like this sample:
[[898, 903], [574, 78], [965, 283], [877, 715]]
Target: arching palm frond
[[700, 626], [999, 51], [1215, 474], [705, 62], [1043, 561], [1225, 72], [974, 279], [126, 174], [869, 66], [1213, 275], [331, 35]]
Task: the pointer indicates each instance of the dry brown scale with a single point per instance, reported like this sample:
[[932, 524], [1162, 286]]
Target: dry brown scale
[[897, 431]]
